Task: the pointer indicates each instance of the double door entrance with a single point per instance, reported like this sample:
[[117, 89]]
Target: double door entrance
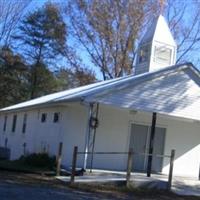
[[139, 141]]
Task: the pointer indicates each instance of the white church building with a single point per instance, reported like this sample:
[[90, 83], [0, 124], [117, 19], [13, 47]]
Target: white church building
[[116, 115]]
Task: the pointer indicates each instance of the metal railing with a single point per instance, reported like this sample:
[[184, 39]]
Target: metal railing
[[130, 158]]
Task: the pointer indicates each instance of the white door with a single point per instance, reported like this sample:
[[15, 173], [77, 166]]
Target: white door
[[139, 141]]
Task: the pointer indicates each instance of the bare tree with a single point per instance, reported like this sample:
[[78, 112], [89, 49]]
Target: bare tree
[[11, 12], [75, 73], [184, 21], [71, 78], [108, 31]]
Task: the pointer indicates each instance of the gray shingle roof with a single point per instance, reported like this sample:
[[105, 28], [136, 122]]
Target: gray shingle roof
[[173, 91]]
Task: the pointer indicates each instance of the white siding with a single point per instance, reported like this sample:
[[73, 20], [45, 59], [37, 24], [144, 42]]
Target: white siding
[[17, 139], [37, 136], [113, 134], [174, 94], [74, 130]]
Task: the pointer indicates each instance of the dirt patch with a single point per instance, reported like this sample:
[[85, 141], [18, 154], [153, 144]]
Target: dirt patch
[[105, 190], [131, 193]]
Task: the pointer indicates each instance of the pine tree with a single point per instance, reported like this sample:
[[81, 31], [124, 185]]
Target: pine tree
[[13, 78], [42, 36]]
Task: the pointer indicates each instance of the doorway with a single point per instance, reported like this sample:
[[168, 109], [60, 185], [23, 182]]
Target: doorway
[[139, 141]]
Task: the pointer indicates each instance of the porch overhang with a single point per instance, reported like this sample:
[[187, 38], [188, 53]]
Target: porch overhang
[[176, 94], [132, 109]]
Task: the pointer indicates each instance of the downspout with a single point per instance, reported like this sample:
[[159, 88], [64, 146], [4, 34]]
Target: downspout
[[87, 134], [94, 138], [92, 123]]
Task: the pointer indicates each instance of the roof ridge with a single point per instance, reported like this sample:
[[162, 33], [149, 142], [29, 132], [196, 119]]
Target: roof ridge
[[125, 79], [105, 82], [147, 76]]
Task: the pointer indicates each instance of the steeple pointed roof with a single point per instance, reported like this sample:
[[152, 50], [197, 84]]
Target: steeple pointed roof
[[158, 31]]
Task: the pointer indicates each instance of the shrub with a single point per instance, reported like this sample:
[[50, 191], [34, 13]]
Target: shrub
[[39, 160]]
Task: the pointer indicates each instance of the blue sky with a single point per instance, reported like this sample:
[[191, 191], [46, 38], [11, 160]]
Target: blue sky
[[82, 53], [84, 56]]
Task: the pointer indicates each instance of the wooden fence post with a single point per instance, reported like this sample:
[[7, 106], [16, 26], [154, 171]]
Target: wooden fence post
[[73, 172], [171, 169], [59, 159], [129, 166]]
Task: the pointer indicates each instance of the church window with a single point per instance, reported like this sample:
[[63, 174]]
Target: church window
[[14, 123], [24, 123], [143, 54], [163, 55], [43, 117], [56, 117], [5, 123]]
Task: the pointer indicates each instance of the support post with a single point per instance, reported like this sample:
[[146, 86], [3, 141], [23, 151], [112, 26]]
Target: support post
[[150, 157], [59, 159], [129, 166], [74, 159], [199, 173], [172, 157]]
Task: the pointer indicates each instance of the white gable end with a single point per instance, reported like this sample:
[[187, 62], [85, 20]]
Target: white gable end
[[174, 94]]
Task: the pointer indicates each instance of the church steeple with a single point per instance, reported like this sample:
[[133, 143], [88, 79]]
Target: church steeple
[[157, 48]]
